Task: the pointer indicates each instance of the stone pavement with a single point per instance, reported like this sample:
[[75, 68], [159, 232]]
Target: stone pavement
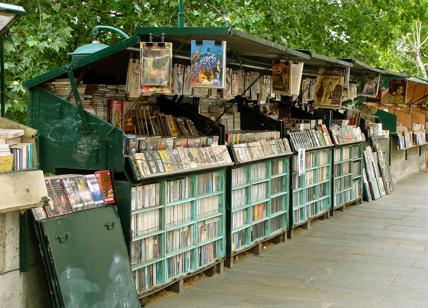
[[371, 255]]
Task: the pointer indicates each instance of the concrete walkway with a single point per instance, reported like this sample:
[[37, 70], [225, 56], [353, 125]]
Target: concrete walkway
[[372, 255]]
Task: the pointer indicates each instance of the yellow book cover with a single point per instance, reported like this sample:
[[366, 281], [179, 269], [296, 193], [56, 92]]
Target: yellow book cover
[[166, 159], [6, 163]]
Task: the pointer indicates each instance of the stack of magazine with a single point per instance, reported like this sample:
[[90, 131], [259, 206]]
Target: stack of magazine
[[311, 138], [153, 163], [235, 137], [245, 152], [71, 193]]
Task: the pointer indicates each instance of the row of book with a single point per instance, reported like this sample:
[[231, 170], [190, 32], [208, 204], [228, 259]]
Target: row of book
[[239, 219], [245, 152], [257, 231], [278, 166], [207, 253], [311, 138], [277, 185], [179, 264], [151, 163], [145, 196], [239, 176], [208, 229], [138, 144], [258, 171], [221, 112], [259, 192], [208, 206], [346, 134], [208, 183], [178, 190], [14, 154], [279, 204], [178, 214], [239, 197], [250, 136], [151, 123], [71, 193], [315, 176], [144, 223], [342, 169], [258, 211], [179, 239], [145, 250], [148, 277]]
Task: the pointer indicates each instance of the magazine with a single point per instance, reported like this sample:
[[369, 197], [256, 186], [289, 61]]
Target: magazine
[[208, 64], [156, 68], [329, 87]]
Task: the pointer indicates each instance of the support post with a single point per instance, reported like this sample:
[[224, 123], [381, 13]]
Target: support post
[[180, 22]]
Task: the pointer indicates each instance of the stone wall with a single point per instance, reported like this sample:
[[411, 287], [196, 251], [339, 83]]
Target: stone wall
[[19, 290]]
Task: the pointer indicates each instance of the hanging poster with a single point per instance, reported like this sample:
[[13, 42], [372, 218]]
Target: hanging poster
[[281, 77], [396, 93], [208, 59], [156, 64], [369, 85], [329, 87]]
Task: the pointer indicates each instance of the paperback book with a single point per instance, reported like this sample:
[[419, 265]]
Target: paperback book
[[329, 87]]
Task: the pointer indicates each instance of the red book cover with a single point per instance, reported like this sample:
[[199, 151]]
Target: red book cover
[[106, 186]]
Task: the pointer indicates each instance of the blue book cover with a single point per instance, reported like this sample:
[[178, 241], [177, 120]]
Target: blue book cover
[[208, 64]]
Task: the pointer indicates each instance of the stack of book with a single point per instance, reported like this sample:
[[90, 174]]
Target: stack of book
[[221, 112], [420, 137], [153, 163], [405, 138], [346, 134], [310, 138], [14, 154], [62, 88], [71, 193], [251, 136], [245, 152]]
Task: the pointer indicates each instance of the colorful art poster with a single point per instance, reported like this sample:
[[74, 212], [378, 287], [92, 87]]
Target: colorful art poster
[[329, 87], [156, 64], [396, 92], [208, 62], [281, 77], [369, 85]]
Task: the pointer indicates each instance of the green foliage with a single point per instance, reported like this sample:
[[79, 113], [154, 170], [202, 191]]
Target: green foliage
[[369, 30]]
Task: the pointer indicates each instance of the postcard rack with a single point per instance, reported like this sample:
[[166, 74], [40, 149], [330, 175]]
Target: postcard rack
[[258, 202], [311, 191], [347, 174]]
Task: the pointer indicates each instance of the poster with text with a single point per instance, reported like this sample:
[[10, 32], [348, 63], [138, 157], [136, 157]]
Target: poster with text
[[208, 64], [329, 87]]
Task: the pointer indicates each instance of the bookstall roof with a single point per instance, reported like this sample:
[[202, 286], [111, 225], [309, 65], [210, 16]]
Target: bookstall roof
[[358, 65], [393, 74], [96, 56], [321, 60], [240, 44]]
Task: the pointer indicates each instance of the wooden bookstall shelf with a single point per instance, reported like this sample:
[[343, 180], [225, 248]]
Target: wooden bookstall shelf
[[347, 174], [258, 202], [311, 197]]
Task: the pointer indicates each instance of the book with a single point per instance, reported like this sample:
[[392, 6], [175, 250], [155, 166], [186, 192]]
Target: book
[[59, 203], [106, 186], [94, 189], [369, 85], [329, 87], [281, 77], [208, 64], [71, 189], [8, 133], [156, 64]]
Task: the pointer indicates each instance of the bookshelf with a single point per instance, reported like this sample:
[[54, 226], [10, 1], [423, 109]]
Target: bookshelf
[[311, 196], [174, 226], [258, 202], [347, 174]]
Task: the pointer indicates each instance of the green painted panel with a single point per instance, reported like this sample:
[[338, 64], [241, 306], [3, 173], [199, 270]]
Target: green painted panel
[[90, 259], [65, 143]]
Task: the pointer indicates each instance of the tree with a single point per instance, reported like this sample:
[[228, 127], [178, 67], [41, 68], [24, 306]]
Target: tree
[[413, 46], [364, 29]]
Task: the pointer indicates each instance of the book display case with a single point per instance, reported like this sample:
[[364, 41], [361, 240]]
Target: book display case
[[347, 174], [174, 226], [259, 201], [311, 196]]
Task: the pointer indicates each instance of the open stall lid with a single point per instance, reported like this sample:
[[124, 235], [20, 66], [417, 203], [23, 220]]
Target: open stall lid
[[89, 259], [416, 91]]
